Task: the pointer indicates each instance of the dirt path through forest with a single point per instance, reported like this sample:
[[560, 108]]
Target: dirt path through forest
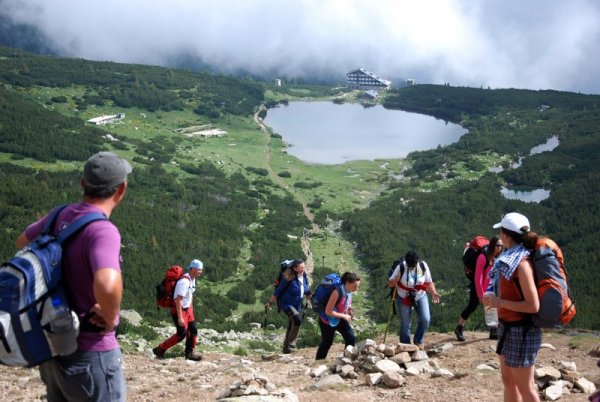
[[305, 241]]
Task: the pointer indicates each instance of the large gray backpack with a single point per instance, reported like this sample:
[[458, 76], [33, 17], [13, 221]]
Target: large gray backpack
[[36, 322]]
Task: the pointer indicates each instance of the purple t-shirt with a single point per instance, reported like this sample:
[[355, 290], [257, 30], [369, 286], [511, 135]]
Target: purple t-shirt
[[96, 246]]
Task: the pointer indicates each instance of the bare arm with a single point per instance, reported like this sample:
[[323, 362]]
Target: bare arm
[[22, 241], [108, 292], [179, 310], [435, 296], [331, 305], [393, 281]]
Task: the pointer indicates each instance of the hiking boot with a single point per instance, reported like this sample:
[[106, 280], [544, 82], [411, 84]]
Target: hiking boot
[[287, 350], [458, 331], [494, 333], [159, 352], [193, 356]]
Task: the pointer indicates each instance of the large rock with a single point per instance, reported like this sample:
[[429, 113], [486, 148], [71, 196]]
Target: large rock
[[406, 347], [373, 378], [392, 379], [331, 381], [586, 386], [384, 366], [554, 391], [401, 358], [132, 316], [319, 371]]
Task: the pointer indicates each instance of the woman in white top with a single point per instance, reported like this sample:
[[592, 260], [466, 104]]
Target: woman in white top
[[412, 281]]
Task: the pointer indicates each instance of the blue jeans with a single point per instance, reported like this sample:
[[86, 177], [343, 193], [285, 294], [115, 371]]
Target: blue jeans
[[85, 376], [423, 319]]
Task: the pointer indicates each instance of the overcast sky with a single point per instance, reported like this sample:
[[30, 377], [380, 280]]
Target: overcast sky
[[536, 44]]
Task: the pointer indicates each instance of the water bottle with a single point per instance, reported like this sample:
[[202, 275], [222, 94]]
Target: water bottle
[[491, 316], [63, 327], [491, 313]]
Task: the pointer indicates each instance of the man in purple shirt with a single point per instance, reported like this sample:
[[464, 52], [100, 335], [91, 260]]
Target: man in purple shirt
[[92, 271]]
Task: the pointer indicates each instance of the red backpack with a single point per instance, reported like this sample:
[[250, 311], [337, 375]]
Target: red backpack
[[165, 289], [471, 252], [557, 307]]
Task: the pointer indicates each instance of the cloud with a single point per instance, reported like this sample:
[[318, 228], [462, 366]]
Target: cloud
[[533, 44]]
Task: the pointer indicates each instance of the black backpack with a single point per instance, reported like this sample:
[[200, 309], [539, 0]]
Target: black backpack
[[472, 250], [283, 266]]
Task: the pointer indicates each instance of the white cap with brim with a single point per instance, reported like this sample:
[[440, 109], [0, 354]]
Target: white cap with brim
[[515, 222], [196, 264]]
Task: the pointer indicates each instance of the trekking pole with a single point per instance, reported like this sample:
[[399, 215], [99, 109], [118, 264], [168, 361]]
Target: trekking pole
[[265, 320], [387, 327]]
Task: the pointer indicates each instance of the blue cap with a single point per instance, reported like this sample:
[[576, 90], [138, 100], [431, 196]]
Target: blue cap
[[196, 264]]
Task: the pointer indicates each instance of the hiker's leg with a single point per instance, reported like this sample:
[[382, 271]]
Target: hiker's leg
[[520, 345], [180, 335], [347, 332], [473, 303], [192, 337], [404, 312], [423, 319], [86, 376], [294, 322], [327, 334], [49, 373]]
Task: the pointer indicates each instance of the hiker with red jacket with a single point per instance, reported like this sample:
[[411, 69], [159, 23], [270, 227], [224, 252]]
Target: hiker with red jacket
[[519, 340], [477, 287], [183, 314], [412, 280], [288, 294]]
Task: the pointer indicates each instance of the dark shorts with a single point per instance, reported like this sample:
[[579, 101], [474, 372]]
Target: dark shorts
[[519, 345]]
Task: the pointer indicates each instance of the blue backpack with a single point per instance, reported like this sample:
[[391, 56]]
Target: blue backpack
[[36, 322], [321, 295]]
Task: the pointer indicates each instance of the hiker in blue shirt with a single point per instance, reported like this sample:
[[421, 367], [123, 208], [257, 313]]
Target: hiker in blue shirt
[[288, 294]]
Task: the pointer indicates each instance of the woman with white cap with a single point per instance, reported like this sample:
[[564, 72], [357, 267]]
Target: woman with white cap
[[519, 341], [183, 314]]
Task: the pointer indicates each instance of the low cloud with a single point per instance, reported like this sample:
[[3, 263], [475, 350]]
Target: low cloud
[[521, 44]]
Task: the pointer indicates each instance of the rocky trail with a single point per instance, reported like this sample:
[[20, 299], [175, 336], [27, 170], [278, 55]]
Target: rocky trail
[[449, 371]]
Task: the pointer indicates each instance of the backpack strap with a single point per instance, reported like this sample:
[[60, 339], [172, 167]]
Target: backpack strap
[[52, 219], [78, 224]]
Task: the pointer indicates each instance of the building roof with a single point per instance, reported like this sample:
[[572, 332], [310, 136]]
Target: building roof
[[370, 74]]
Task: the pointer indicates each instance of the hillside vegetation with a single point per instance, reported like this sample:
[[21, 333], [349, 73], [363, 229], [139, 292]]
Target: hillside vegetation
[[217, 198]]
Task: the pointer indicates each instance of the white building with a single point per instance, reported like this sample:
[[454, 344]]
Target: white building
[[364, 79], [107, 119]]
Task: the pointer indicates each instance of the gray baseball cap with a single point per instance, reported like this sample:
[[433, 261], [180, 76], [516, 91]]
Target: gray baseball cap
[[105, 170]]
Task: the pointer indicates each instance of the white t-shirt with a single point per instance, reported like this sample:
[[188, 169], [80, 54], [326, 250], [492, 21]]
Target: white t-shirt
[[411, 278], [186, 286]]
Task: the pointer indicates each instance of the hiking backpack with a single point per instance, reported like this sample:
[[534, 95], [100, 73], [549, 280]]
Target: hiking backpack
[[36, 322], [283, 266], [472, 250], [557, 306], [320, 296], [166, 288]]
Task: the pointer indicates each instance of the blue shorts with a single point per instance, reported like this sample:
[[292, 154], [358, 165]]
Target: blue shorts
[[519, 344]]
